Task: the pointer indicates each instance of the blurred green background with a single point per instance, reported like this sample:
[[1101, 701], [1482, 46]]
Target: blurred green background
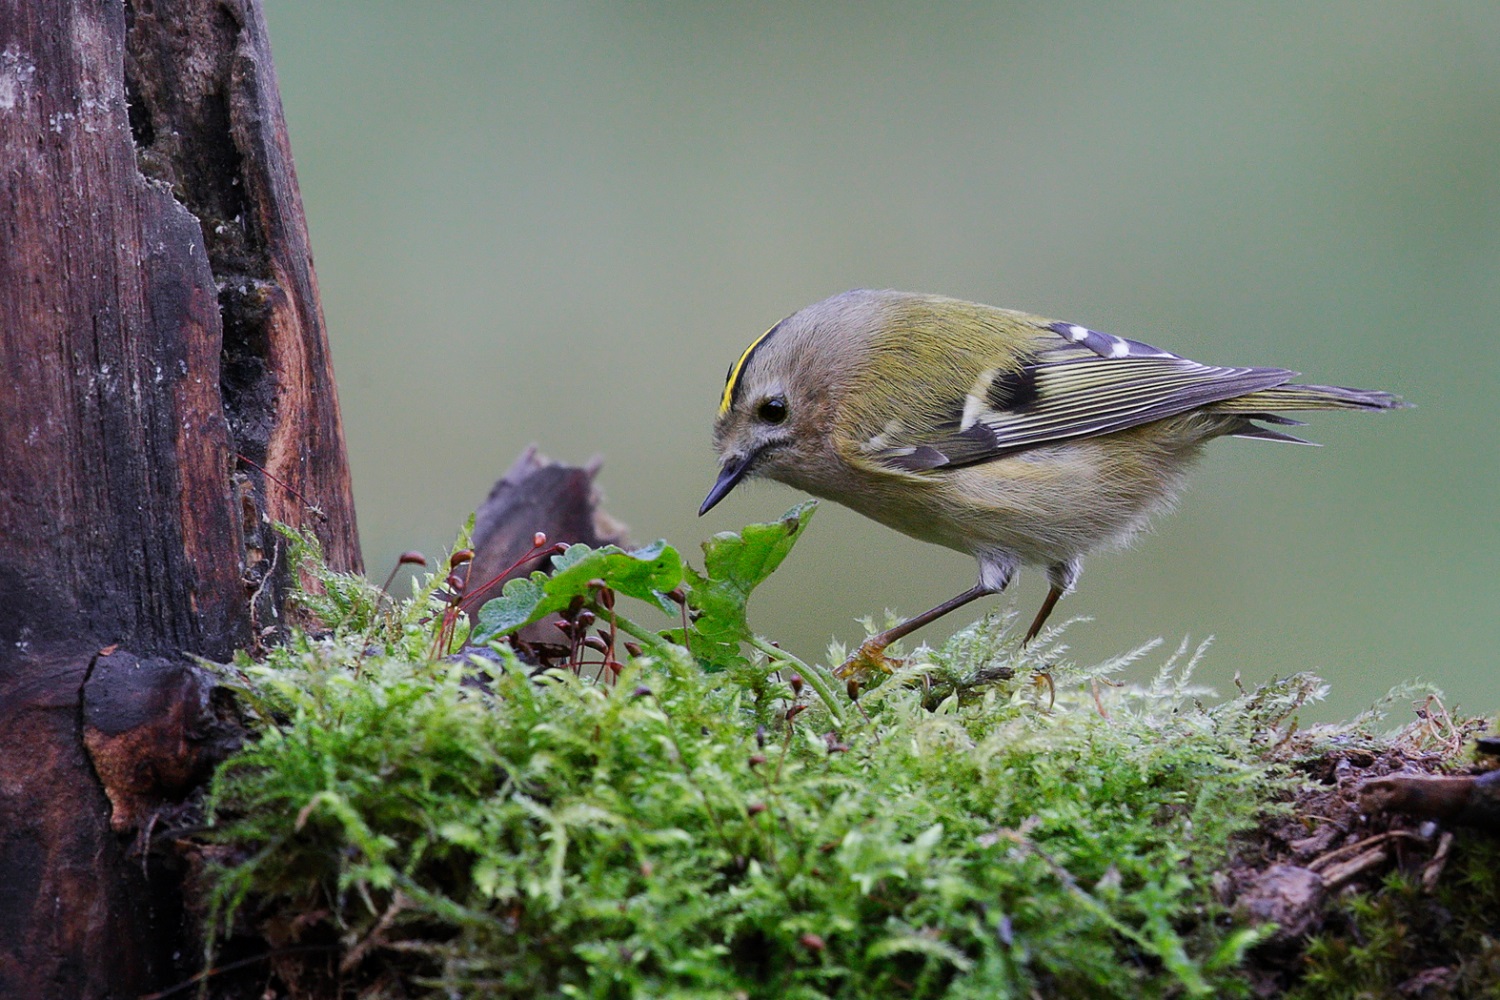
[[560, 222]]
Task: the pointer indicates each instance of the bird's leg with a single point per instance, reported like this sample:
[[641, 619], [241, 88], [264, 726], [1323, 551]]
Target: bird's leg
[[1061, 576], [1041, 616], [869, 651]]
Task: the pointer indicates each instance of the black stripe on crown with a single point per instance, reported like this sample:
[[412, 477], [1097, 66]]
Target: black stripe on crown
[[733, 379]]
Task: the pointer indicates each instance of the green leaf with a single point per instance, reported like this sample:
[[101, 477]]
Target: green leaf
[[739, 563], [646, 574], [716, 636], [736, 564]]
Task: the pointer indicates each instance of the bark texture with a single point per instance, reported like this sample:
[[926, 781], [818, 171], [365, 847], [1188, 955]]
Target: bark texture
[[167, 393]]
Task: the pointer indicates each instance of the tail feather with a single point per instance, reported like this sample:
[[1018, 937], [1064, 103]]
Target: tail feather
[[1309, 397], [1244, 428]]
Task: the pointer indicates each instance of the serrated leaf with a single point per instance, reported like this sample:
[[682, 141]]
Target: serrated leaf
[[512, 609], [736, 563], [741, 562], [646, 574]]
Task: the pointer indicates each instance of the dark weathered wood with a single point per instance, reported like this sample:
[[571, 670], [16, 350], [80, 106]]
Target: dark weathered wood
[[536, 494], [1463, 799], [165, 392], [76, 913], [153, 733], [206, 114], [113, 444]]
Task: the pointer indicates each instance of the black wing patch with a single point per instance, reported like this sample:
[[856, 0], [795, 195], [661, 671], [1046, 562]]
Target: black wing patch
[[1013, 390]]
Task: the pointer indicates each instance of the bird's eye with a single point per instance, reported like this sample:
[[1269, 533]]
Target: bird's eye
[[772, 411]]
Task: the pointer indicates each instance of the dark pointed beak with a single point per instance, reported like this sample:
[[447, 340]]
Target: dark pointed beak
[[730, 473]]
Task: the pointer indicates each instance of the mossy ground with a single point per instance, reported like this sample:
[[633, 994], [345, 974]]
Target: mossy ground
[[411, 824]]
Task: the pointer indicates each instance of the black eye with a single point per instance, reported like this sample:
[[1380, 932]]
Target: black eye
[[772, 411]]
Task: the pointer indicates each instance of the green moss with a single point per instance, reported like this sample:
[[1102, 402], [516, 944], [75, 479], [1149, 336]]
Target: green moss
[[474, 827], [1405, 940]]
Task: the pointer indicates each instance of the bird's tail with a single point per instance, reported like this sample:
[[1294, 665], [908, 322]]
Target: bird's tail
[[1256, 406], [1310, 397]]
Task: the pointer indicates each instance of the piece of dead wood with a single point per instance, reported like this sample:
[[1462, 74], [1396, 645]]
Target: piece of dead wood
[[1346, 871], [536, 495], [1343, 865], [1465, 799], [1433, 869]]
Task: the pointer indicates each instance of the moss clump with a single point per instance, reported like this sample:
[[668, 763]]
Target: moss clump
[[409, 824], [675, 833]]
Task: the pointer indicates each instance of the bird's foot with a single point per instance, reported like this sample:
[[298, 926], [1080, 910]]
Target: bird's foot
[[867, 659], [1042, 681]]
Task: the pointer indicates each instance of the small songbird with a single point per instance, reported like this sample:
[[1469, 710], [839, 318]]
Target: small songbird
[[1014, 438]]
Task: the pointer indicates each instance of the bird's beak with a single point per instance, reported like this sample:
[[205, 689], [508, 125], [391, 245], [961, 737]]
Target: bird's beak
[[730, 473]]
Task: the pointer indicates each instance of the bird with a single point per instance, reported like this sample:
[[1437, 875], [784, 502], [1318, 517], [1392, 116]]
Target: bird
[[1020, 440]]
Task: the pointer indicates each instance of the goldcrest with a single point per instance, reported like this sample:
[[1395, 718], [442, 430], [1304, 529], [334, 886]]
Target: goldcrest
[[1017, 439]]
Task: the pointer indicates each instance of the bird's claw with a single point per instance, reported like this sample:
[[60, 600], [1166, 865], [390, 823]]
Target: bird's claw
[[868, 658]]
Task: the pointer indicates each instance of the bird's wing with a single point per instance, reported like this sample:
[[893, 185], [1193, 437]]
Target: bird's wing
[[1066, 382]]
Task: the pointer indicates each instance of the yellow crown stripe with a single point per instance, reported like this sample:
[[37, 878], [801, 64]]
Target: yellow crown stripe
[[733, 378]]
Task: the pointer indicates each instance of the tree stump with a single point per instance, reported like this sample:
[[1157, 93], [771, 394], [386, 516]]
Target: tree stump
[[167, 394]]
